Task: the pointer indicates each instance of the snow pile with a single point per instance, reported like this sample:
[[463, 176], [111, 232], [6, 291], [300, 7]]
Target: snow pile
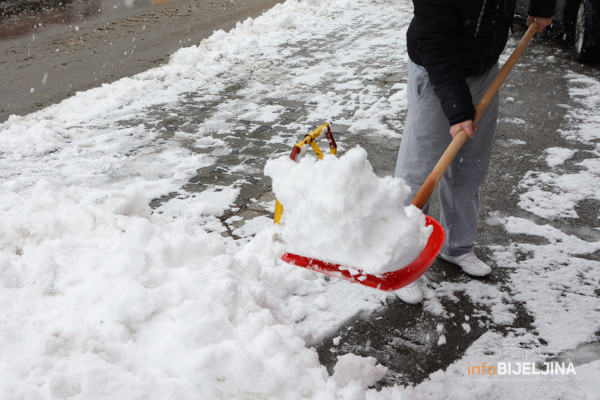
[[338, 210], [104, 300], [354, 368]]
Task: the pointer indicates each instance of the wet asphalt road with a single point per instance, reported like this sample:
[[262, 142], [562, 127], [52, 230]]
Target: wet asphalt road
[[534, 92], [49, 54], [51, 49]]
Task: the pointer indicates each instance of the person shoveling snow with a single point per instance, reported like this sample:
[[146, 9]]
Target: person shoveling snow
[[453, 50]]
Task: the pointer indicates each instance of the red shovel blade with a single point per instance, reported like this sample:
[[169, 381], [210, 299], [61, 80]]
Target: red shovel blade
[[388, 281]]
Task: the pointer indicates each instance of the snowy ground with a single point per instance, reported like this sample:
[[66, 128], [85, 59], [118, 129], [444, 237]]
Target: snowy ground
[[103, 296]]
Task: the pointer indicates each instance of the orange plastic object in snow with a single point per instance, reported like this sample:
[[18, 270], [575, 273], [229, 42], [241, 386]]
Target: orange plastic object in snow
[[388, 281]]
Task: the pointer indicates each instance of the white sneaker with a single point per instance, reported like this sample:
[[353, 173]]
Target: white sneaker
[[411, 294], [469, 263]]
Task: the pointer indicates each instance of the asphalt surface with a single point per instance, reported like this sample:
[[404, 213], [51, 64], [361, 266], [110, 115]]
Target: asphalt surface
[[534, 92], [50, 49], [50, 53]]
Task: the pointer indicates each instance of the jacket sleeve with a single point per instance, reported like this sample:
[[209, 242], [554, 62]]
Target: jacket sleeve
[[541, 8], [436, 31]]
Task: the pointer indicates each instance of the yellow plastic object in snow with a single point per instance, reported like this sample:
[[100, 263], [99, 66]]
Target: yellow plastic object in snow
[[311, 139]]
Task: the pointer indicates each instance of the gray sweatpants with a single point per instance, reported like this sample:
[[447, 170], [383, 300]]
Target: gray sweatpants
[[426, 136]]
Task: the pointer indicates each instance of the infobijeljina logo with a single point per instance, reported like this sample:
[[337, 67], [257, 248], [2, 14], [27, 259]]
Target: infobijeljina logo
[[519, 361], [521, 368]]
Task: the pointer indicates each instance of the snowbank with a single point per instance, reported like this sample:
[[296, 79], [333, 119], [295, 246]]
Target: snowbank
[[104, 300]]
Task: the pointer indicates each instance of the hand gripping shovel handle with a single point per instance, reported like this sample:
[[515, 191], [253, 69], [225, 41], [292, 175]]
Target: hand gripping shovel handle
[[461, 137]]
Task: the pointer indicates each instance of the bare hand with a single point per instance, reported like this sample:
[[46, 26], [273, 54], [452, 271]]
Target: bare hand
[[542, 22], [466, 126]]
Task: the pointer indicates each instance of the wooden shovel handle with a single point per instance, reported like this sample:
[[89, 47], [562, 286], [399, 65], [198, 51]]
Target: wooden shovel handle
[[461, 137]]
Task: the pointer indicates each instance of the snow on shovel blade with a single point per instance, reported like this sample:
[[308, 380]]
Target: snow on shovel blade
[[388, 281]]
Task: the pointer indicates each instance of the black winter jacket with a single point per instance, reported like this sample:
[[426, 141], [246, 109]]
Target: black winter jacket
[[454, 39]]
